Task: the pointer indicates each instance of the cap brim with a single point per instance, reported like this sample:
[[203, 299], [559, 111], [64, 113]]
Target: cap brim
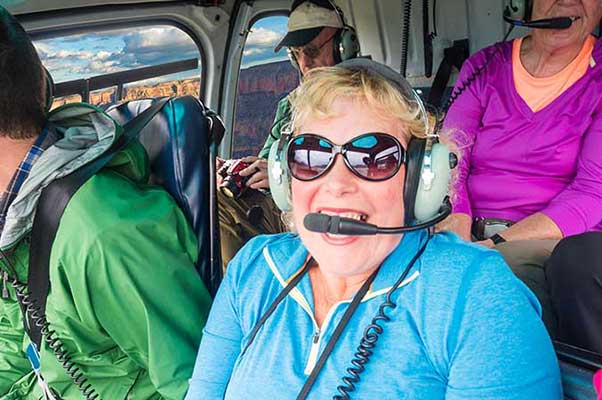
[[298, 38]]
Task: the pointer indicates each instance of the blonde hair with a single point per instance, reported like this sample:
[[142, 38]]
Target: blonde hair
[[322, 86]]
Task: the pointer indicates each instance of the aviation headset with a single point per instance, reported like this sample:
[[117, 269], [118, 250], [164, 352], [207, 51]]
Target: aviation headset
[[515, 10], [346, 44], [428, 163], [49, 89]]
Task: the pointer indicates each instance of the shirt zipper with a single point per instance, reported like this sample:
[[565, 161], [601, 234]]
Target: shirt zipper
[[317, 338], [313, 353]]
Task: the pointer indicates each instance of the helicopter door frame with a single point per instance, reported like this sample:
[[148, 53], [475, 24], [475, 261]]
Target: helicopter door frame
[[244, 15]]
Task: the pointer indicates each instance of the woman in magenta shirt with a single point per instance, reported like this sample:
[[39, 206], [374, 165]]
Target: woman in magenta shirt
[[530, 131]]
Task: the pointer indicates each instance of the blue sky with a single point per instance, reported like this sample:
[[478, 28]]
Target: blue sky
[[262, 39], [91, 54]]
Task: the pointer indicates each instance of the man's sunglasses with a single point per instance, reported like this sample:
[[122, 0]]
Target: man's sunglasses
[[371, 156], [311, 51]]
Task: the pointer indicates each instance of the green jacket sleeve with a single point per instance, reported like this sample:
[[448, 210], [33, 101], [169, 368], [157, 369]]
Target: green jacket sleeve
[[13, 362], [146, 292], [283, 116]]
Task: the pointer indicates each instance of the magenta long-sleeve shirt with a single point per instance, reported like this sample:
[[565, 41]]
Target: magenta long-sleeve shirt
[[515, 162]]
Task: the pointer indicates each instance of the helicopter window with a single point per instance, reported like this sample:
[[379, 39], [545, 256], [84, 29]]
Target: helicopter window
[[122, 64], [265, 78]]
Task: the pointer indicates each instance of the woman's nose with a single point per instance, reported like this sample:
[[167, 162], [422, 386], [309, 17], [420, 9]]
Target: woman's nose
[[340, 180]]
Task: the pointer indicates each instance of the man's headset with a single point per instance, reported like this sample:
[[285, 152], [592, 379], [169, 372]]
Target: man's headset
[[427, 169], [346, 44], [521, 9]]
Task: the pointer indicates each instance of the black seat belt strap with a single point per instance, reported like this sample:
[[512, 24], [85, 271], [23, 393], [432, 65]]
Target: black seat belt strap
[[50, 208], [453, 57], [290, 286]]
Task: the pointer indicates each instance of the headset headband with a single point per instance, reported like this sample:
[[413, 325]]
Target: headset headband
[[392, 77], [339, 13]]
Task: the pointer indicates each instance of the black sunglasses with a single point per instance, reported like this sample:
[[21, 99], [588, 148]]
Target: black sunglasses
[[371, 156], [310, 50]]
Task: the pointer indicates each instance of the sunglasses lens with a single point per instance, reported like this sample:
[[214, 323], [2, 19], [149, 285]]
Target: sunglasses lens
[[308, 156], [374, 156]]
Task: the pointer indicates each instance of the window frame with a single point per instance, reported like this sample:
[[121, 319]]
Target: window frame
[[39, 27], [244, 16], [252, 21]]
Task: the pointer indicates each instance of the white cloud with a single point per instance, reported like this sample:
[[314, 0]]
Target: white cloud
[[151, 39], [253, 51], [73, 54], [103, 67], [140, 47], [153, 46], [103, 55], [262, 37]]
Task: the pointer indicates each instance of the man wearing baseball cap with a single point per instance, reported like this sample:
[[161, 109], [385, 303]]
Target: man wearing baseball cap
[[317, 36]]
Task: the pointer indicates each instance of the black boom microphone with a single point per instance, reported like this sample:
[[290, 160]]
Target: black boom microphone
[[323, 223], [546, 23]]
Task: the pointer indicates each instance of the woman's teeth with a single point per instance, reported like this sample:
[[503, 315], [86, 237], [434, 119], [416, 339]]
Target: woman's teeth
[[352, 215]]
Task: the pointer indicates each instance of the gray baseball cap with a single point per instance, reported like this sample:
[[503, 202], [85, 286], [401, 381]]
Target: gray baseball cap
[[306, 21]]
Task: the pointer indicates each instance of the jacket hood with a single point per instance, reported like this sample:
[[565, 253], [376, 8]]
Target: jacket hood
[[85, 133]]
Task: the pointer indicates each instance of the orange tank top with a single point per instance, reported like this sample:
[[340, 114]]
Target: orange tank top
[[539, 92]]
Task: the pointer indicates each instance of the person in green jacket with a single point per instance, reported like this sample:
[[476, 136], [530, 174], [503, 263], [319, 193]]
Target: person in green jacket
[[125, 300], [317, 36]]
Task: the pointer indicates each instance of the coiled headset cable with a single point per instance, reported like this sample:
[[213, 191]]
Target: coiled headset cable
[[30, 307], [468, 82], [373, 332], [405, 36]]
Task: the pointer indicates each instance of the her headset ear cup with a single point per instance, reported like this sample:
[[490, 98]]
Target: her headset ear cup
[[279, 176], [423, 201], [429, 197], [413, 164]]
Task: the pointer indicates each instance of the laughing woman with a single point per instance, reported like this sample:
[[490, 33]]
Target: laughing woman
[[458, 324]]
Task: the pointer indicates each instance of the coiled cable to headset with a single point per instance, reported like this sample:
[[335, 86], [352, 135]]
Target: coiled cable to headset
[[468, 82], [373, 332], [49, 336], [405, 37]]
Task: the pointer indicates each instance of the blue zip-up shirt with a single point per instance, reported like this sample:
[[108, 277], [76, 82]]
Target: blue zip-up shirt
[[464, 328]]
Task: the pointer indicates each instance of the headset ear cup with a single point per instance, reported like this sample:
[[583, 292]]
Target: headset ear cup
[[430, 195], [347, 45], [49, 90], [414, 156], [279, 176], [293, 60]]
